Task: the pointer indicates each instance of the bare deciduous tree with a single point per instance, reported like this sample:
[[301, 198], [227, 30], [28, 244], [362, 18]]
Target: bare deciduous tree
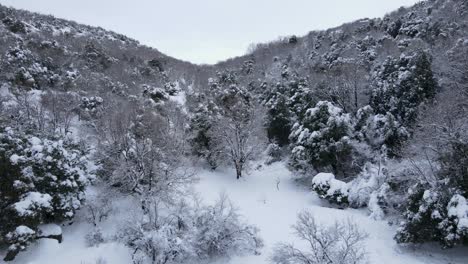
[[240, 135], [341, 243], [143, 150]]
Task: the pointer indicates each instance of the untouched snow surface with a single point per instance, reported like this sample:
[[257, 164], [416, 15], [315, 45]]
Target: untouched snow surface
[[274, 211], [268, 198]]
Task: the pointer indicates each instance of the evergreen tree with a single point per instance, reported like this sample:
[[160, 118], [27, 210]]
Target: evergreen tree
[[201, 123], [322, 139], [401, 86], [43, 181]]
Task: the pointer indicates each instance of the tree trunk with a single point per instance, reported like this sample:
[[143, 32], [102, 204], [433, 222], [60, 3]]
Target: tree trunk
[[11, 254], [356, 105], [238, 170]]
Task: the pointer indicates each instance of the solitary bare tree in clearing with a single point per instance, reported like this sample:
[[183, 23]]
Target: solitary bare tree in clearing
[[240, 137], [238, 130]]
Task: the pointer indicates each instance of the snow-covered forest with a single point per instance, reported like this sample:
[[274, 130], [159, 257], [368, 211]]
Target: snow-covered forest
[[348, 145]]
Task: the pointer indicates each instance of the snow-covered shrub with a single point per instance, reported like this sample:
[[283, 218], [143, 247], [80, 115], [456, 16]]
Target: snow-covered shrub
[[454, 165], [367, 182], [91, 105], [322, 139], [378, 130], [439, 212], [434, 214], [95, 237], [99, 207], [24, 77], [158, 239], [18, 54], [422, 218], [155, 93], [18, 239], [220, 232], [378, 202], [456, 225], [43, 181], [273, 152], [331, 189], [15, 26], [393, 29], [189, 233], [342, 242]]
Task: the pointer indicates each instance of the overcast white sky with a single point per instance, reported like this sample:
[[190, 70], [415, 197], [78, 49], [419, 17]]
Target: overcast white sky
[[207, 31]]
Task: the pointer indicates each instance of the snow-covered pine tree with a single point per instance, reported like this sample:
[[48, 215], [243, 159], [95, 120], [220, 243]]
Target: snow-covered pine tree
[[43, 181], [323, 140], [401, 85]]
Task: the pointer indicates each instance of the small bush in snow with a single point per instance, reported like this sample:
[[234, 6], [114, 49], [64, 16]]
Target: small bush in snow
[[380, 130], [189, 233], [378, 203], [454, 165], [339, 243], [95, 237], [369, 189], [99, 207], [221, 232], [331, 189], [274, 153], [155, 93], [156, 239]]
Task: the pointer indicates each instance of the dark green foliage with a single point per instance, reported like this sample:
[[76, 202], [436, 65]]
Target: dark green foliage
[[201, 142], [434, 214], [97, 58], [300, 96], [292, 39], [337, 196], [401, 86], [225, 98], [279, 122], [248, 67], [394, 28], [157, 64], [322, 140], [421, 223], [454, 166], [42, 181], [14, 26], [380, 130]]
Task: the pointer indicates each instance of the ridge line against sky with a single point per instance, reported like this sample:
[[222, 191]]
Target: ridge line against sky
[[209, 31]]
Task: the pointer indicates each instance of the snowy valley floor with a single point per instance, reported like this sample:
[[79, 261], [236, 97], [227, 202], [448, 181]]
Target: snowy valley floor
[[262, 204]]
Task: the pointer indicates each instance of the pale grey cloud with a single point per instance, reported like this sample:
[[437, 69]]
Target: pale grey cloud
[[206, 31]]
